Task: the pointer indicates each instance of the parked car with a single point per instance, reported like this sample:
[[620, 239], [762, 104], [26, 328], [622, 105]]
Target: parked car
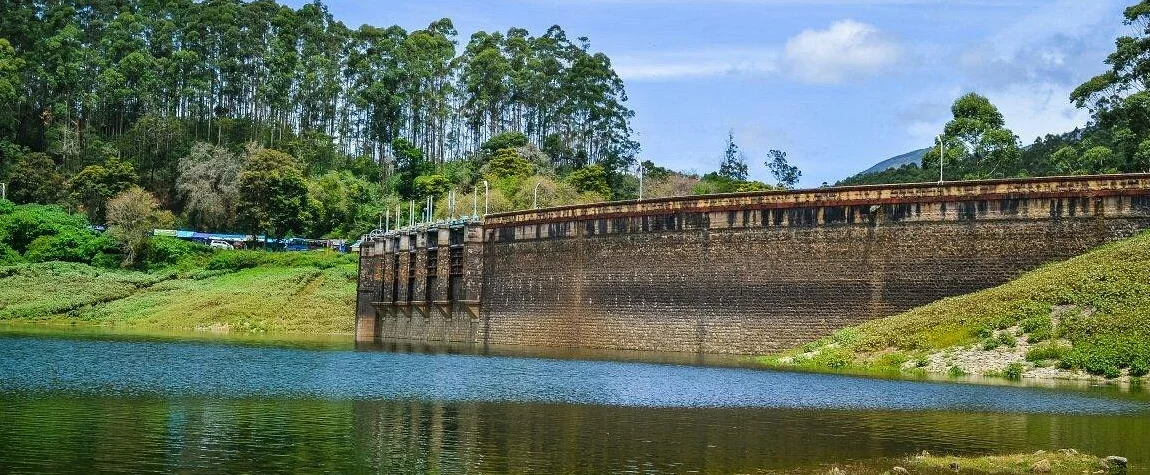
[[218, 244]]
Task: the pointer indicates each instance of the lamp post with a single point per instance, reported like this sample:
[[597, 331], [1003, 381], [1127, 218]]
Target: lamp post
[[941, 156], [486, 197], [535, 205], [641, 173]]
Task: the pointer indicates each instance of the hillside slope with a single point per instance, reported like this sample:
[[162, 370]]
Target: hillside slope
[[275, 298], [1087, 315]]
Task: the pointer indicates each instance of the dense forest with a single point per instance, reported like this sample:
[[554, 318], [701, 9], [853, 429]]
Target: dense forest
[[976, 144], [253, 116]]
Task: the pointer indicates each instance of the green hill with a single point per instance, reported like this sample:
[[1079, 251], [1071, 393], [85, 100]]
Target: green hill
[[1087, 315]]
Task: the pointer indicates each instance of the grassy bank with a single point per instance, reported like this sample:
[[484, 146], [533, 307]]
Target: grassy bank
[[274, 292], [1089, 315], [1062, 461]]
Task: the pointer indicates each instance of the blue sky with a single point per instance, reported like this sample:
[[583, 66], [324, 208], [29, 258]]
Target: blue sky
[[838, 84]]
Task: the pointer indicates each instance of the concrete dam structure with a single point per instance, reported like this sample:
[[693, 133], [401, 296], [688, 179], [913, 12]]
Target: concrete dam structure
[[740, 273]]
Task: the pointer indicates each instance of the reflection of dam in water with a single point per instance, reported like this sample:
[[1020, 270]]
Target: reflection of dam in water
[[740, 273]]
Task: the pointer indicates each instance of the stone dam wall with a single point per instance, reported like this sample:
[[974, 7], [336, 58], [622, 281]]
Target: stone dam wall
[[741, 273]]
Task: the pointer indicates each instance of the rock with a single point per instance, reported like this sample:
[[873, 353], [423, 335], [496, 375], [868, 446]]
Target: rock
[[1040, 452], [954, 466], [899, 471], [924, 454], [1041, 466], [1115, 464], [836, 471]]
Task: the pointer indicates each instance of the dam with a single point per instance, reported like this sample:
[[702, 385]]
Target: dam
[[745, 273]]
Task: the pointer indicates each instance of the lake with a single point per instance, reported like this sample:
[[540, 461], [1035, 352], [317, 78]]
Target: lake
[[94, 401]]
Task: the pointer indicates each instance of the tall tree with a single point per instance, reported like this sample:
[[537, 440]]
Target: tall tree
[[977, 142], [734, 164], [273, 194]]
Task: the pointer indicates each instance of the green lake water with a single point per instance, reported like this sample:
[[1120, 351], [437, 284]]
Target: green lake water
[[96, 401]]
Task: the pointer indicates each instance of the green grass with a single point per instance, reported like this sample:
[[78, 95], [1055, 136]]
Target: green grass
[[1063, 461], [309, 297], [1101, 299], [37, 291]]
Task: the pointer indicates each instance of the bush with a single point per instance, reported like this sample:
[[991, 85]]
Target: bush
[[9, 256], [25, 223], [1013, 371], [1139, 368], [234, 260], [956, 371], [1007, 340], [164, 251], [1047, 351], [989, 344], [69, 245]]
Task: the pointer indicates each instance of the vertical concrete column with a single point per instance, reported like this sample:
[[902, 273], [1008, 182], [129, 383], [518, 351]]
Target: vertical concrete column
[[443, 265]]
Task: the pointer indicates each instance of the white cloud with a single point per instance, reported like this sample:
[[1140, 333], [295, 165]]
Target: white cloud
[[847, 49], [685, 64], [1033, 110]]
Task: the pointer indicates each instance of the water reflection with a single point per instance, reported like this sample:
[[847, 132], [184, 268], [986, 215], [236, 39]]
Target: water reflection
[[68, 434], [130, 405]]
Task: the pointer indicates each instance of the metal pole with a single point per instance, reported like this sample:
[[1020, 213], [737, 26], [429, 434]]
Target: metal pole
[[486, 197], [387, 225], [941, 155], [475, 202], [451, 206], [535, 205], [411, 214], [641, 170]]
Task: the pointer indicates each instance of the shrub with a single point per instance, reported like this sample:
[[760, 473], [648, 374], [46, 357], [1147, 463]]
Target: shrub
[[1013, 371], [9, 256], [164, 251], [1007, 340], [892, 360], [25, 223], [70, 245], [1139, 368], [833, 358], [956, 371], [1038, 328], [1050, 350], [990, 344]]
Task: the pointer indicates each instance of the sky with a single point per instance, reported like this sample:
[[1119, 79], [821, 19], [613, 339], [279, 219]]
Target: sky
[[837, 84]]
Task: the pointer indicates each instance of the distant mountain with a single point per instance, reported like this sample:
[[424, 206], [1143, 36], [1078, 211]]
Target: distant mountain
[[895, 162]]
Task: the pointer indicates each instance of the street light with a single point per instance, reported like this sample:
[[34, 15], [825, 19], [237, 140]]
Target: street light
[[641, 173], [941, 155], [536, 204], [486, 197]]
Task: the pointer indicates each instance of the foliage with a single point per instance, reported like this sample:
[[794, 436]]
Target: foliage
[[208, 182], [590, 179], [273, 193], [507, 163], [502, 141], [1061, 461], [976, 143], [432, 185], [733, 166], [174, 91], [34, 178], [409, 164], [132, 215], [234, 260], [785, 174], [22, 224], [96, 184]]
